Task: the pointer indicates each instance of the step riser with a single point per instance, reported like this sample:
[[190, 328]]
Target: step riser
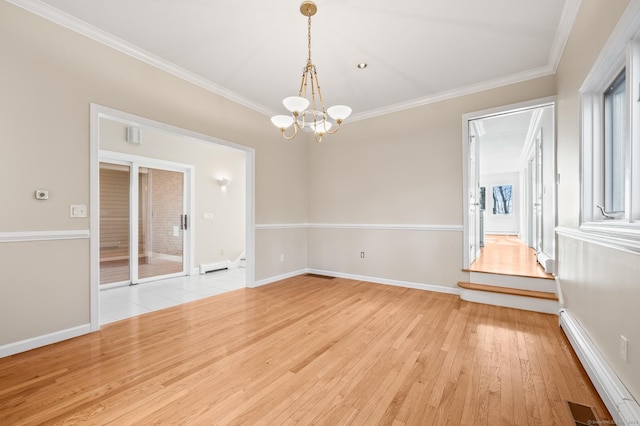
[[511, 301], [522, 283]]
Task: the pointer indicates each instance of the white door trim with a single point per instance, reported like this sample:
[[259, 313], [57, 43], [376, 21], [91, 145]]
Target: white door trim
[[96, 113], [466, 118]]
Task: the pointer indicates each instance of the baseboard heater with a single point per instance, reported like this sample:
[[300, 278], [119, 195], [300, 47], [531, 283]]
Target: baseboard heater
[[211, 267], [620, 403]]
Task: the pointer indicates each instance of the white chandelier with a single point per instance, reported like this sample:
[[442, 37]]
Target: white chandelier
[[306, 115]]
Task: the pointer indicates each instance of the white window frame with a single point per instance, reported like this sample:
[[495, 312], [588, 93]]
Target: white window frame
[[622, 52]]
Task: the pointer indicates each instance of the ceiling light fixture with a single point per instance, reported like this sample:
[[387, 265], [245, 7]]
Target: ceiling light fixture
[[362, 65], [316, 118]]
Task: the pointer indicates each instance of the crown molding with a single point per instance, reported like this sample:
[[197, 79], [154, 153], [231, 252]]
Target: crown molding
[[455, 93], [52, 14], [567, 19], [74, 24]]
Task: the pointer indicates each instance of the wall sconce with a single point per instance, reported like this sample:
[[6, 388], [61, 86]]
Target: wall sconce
[[222, 182]]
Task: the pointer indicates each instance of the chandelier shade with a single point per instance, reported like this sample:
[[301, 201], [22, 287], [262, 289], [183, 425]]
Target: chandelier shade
[[308, 112]]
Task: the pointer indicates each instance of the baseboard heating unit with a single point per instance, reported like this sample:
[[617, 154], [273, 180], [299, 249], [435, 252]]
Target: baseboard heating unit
[[211, 267]]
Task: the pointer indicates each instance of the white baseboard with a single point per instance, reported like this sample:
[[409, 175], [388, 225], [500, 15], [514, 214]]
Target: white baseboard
[[47, 339], [385, 281], [278, 278], [621, 405]]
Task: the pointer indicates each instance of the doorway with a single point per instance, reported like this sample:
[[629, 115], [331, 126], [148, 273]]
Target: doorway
[[223, 216], [144, 220], [509, 187]]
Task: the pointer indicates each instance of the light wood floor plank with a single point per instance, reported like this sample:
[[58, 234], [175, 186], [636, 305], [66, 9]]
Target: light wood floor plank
[[301, 351]]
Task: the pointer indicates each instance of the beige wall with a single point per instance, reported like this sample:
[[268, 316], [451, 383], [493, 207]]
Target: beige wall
[[48, 78], [599, 284], [403, 168]]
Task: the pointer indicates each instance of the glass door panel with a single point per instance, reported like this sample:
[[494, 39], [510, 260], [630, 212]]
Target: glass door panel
[[114, 223], [161, 223]]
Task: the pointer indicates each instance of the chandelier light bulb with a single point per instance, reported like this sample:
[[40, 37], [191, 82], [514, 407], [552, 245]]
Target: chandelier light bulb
[[282, 121], [339, 112], [321, 127], [295, 104]]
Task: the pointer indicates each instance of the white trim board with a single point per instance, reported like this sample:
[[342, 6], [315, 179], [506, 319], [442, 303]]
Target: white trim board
[[13, 237], [592, 236], [365, 226], [44, 340], [374, 280], [620, 403]]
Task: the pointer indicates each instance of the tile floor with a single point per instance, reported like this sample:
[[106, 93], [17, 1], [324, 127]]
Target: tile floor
[[125, 302]]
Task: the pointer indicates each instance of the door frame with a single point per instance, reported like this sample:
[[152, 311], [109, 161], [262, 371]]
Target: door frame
[[98, 112], [466, 120], [135, 162]]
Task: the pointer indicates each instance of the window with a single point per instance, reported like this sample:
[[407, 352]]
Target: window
[[610, 175], [503, 199], [614, 144]]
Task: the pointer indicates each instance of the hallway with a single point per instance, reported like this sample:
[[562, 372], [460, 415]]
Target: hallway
[[508, 255]]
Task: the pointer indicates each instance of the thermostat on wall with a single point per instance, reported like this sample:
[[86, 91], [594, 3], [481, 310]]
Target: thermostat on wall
[[42, 194]]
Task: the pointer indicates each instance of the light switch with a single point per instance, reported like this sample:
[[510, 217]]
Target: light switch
[[78, 210], [207, 216]]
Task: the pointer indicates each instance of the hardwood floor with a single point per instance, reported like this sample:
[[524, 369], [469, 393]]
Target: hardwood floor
[[509, 255], [306, 350]]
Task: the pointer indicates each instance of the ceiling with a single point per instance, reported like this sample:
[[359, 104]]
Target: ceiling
[[417, 51], [502, 140]]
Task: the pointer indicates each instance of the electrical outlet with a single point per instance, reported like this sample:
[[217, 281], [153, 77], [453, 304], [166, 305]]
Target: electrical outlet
[[221, 252], [624, 348], [361, 255], [282, 258]]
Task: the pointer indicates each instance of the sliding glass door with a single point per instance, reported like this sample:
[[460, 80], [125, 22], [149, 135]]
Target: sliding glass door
[[143, 222]]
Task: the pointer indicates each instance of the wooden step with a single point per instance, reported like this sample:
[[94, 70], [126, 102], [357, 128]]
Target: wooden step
[[505, 290]]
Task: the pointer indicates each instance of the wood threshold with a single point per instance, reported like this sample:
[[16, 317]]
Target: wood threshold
[[507, 290]]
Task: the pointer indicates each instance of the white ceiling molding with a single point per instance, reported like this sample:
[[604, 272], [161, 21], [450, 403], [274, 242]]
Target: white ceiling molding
[[65, 20], [563, 28]]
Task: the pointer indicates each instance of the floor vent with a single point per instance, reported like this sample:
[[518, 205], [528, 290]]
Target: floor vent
[[583, 415], [325, 277]]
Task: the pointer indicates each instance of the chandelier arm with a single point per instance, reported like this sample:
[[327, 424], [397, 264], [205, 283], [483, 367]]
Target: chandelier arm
[[315, 75], [293, 135], [335, 130], [303, 83], [313, 95]]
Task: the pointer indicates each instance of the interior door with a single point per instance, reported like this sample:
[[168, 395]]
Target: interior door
[[538, 193], [474, 196], [143, 223]]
